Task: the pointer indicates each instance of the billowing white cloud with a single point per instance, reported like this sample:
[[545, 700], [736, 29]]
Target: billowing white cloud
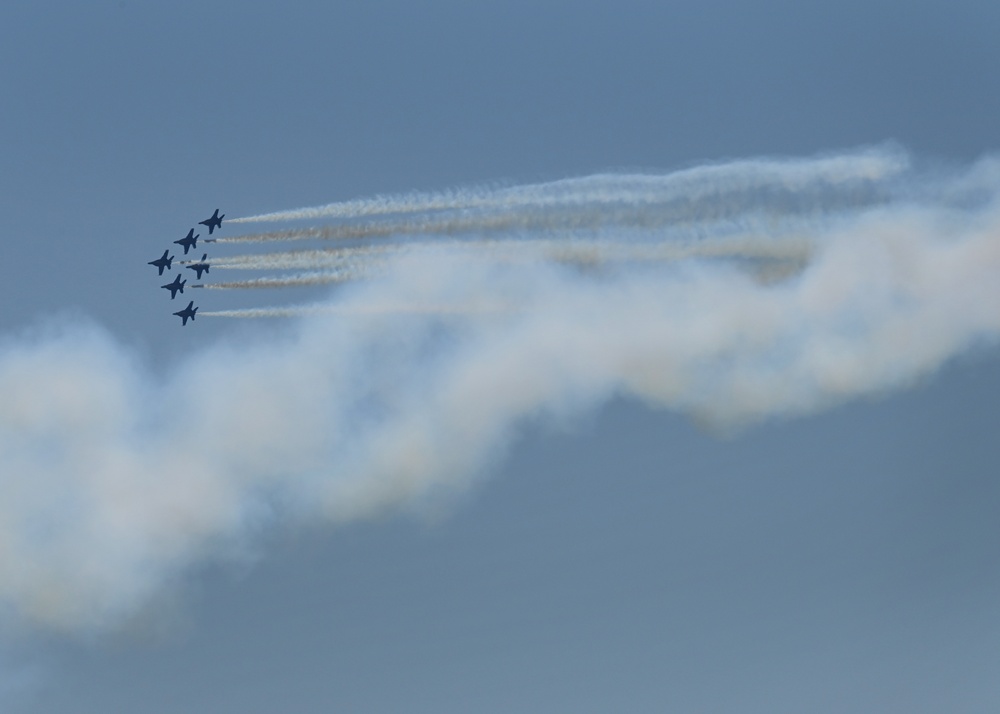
[[113, 481]]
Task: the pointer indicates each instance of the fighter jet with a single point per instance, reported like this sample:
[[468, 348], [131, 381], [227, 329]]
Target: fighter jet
[[162, 262], [187, 312], [175, 287], [214, 222], [188, 241], [199, 267]]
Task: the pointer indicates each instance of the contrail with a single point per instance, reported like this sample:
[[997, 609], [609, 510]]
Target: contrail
[[298, 280], [557, 225], [677, 216], [440, 310], [374, 229], [691, 184], [346, 259], [357, 259], [118, 481], [382, 229]]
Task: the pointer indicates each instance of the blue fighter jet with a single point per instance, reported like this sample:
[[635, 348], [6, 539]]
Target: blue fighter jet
[[215, 221], [189, 241], [175, 287], [200, 266], [186, 313], [162, 262]]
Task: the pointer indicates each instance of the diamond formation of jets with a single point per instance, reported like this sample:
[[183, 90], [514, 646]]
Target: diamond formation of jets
[[165, 262]]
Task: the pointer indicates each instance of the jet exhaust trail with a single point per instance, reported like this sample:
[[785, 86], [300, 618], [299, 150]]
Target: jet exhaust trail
[[764, 257], [352, 260], [299, 280], [439, 310], [346, 259], [373, 229], [407, 385], [678, 220], [691, 184]]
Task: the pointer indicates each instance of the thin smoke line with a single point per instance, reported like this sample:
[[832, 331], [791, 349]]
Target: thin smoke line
[[351, 262], [441, 309], [303, 279], [862, 167]]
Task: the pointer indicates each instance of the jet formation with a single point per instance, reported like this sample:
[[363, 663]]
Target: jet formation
[[165, 262]]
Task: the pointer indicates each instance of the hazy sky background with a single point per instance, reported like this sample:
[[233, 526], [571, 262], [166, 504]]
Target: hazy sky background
[[627, 561]]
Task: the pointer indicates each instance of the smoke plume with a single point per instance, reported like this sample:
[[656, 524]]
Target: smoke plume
[[116, 481]]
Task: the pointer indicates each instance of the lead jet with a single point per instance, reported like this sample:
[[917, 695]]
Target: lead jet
[[162, 262], [200, 266], [215, 221], [175, 287], [187, 312], [188, 241]]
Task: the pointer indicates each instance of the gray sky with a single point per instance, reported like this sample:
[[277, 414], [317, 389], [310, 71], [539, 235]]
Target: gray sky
[[624, 560]]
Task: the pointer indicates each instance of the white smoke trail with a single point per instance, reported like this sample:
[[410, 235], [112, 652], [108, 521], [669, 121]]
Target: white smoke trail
[[438, 310], [450, 225], [344, 259], [691, 184], [355, 261], [676, 219], [114, 482], [287, 281]]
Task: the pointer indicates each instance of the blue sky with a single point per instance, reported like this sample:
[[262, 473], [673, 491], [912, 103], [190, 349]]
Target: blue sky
[[623, 558]]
